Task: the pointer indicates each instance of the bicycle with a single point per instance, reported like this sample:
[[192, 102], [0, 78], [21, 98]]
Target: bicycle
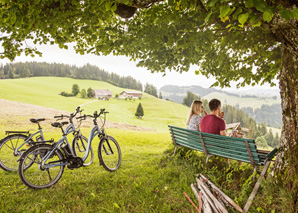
[[79, 142], [50, 160], [10, 148]]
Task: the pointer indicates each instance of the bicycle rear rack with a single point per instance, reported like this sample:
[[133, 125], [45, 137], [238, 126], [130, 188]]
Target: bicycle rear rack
[[15, 132]]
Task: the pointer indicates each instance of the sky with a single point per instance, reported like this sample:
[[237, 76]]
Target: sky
[[120, 65]]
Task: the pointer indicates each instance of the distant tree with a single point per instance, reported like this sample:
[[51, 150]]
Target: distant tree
[[66, 94], [276, 140], [190, 97], [261, 142], [75, 89], [262, 128], [160, 95], [83, 93], [270, 138], [140, 112], [90, 92], [117, 96], [24, 73], [11, 73], [1, 73]]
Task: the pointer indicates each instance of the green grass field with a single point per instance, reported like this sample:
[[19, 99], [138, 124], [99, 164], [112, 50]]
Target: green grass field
[[150, 178], [44, 91]]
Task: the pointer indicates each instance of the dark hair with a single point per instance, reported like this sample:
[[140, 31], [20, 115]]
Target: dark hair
[[213, 104]]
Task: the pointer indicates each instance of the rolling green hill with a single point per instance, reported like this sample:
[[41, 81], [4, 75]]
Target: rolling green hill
[[44, 91], [243, 102]]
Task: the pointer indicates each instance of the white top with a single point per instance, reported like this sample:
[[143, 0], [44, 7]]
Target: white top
[[194, 122]]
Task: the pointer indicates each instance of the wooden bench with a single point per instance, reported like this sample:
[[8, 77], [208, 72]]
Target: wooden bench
[[239, 149]]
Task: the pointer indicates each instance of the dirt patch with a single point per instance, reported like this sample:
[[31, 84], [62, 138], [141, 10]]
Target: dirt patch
[[14, 114]]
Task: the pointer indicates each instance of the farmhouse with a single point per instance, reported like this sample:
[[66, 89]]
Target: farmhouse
[[131, 94], [102, 94]]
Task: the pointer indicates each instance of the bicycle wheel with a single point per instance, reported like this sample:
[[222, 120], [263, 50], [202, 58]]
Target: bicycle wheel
[[35, 176], [109, 153], [79, 147], [8, 157]]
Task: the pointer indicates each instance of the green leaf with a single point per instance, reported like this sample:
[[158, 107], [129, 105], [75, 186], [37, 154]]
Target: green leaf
[[108, 6], [224, 10], [114, 8], [267, 15], [238, 11], [261, 5], [197, 72], [211, 3], [257, 24], [287, 15], [249, 3], [116, 205], [243, 18], [208, 16], [295, 13]]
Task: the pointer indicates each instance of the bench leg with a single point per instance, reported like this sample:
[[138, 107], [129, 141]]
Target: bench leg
[[175, 150], [207, 159], [256, 188]]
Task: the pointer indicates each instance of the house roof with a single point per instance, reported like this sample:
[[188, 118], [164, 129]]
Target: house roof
[[133, 92], [102, 92]]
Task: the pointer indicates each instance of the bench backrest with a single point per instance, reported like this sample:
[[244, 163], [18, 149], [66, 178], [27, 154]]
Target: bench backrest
[[239, 149]]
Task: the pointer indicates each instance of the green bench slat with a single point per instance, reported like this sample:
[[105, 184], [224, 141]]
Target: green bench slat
[[223, 146], [210, 146], [228, 142], [210, 135], [229, 153]]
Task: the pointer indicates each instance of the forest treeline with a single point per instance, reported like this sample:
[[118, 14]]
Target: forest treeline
[[88, 71], [270, 114], [259, 132]]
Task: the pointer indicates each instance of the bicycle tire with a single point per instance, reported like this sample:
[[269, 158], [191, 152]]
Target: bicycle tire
[[109, 153], [29, 176], [79, 149], [8, 145]]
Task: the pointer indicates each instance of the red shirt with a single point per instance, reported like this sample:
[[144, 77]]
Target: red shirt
[[212, 124]]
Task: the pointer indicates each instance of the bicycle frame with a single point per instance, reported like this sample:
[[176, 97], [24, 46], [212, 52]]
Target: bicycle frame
[[17, 152], [70, 128]]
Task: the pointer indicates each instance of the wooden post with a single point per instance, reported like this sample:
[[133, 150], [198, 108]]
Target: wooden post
[[218, 205], [252, 161], [203, 145], [256, 188], [206, 206], [238, 208]]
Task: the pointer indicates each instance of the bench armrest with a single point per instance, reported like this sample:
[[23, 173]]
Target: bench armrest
[[271, 154]]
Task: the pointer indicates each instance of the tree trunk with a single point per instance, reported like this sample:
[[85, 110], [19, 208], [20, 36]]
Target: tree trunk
[[286, 165]]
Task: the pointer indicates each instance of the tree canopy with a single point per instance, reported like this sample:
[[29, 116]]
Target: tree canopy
[[248, 41]]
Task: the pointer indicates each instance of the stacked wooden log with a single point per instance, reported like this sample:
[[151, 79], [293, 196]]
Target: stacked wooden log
[[211, 198]]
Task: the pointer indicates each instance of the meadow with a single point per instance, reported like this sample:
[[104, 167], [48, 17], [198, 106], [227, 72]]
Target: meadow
[[150, 179], [44, 91]]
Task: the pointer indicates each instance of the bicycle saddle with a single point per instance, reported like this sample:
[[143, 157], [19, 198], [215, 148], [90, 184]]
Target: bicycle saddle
[[33, 120], [58, 124]]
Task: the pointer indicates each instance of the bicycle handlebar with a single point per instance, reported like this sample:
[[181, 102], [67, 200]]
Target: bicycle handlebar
[[72, 115], [95, 115]]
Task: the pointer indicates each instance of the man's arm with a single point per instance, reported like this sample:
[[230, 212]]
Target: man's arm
[[223, 133]]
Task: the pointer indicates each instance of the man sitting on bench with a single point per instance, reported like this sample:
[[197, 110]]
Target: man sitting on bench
[[213, 123]]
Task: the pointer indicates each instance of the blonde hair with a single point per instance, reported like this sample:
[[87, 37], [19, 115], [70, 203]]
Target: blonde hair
[[195, 109]]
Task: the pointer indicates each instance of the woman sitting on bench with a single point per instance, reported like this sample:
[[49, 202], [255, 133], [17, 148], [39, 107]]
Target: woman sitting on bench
[[194, 116]]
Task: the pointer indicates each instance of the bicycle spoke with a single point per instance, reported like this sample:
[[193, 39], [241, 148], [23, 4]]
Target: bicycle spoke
[[12, 145], [49, 174], [8, 146]]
